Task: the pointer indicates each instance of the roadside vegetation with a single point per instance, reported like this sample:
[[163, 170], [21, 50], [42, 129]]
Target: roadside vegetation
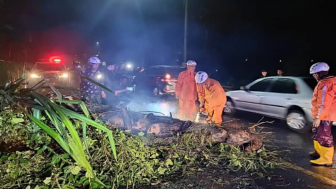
[[43, 144]]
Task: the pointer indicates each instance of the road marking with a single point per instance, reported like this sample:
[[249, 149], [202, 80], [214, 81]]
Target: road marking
[[310, 173]]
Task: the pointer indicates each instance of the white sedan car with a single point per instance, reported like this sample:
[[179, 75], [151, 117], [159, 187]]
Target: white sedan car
[[287, 98]]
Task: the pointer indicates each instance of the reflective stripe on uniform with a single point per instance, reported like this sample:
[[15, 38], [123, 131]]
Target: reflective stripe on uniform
[[323, 99]]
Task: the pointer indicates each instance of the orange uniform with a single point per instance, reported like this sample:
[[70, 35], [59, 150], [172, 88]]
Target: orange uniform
[[324, 109], [214, 98], [185, 91], [324, 100]]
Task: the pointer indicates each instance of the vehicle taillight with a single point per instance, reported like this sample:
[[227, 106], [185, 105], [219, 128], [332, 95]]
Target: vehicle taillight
[[168, 76]]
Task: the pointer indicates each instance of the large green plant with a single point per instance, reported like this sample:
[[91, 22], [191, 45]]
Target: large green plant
[[63, 129]]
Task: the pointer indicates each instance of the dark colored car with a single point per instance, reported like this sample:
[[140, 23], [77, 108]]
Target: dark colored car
[[55, 72], [159, 79]]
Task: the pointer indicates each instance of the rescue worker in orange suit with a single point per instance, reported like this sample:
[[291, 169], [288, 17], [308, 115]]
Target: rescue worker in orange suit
[[324, 114], [211, 96], [186, 93]]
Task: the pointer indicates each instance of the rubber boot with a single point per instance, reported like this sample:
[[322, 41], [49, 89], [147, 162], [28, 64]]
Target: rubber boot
[[326, 156], [316, 147]]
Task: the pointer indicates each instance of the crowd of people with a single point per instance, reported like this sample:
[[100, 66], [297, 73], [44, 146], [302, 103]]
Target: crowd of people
[[212, 99], [264, 73], [192, 86]]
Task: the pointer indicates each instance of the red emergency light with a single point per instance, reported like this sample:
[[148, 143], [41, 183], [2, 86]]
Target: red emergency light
[[55, 59]]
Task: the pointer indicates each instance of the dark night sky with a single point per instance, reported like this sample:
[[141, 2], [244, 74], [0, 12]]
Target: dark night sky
[[222, 33]]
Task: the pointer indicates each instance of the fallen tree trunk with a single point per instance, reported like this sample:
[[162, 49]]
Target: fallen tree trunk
[[167, 127]]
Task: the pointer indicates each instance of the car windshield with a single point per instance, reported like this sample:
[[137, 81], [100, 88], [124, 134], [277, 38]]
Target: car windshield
[[163, 70], [49, 67], [311, 82], [175, 71]]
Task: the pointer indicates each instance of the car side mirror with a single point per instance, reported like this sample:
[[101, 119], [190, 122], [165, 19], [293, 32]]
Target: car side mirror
[[244, 88]]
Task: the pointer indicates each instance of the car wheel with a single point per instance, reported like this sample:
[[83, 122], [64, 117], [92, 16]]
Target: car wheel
[[229, 108], [296, 120]]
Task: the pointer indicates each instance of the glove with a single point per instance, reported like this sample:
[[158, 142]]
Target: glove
[[205, 113], [201, 105]]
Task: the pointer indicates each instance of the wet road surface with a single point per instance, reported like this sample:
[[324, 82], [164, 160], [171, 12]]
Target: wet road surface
[[294, 148]]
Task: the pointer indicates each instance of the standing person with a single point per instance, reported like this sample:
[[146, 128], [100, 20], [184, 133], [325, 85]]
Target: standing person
[[212, 97], [324, 113], [186, 93], [263, 73], [91, 92], [280, 72]]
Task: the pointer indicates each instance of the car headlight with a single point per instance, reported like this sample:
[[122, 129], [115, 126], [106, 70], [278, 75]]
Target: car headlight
[[65, 75], [99, 76], [129, 66], [34, 76]]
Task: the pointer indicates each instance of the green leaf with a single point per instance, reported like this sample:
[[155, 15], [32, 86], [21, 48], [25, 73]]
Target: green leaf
[[4, 158], [55, 160], [84, 137], [59, 95], [81, 103], [23, 160], [66, 121], [38, 85], [50, 113], [75, 170], [169, 162], [233, 156], [112, 144], [162, 170], [51, 132], [141, 134], [44, 147], [82, 179], [91, 122], [65, 156], [17, 120], [47, 180]]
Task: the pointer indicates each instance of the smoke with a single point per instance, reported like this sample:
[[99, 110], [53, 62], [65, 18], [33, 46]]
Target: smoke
[[159, 105], [164, 108]]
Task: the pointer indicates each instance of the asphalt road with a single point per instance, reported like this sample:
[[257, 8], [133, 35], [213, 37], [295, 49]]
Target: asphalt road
[[293, 148]]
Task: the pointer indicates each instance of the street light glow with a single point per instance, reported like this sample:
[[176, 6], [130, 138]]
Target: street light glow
[[97, 43]]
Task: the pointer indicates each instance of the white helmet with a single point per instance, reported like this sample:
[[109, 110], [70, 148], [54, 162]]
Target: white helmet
[[94, 60], [319, 67], [191, 63], [201, 77]]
